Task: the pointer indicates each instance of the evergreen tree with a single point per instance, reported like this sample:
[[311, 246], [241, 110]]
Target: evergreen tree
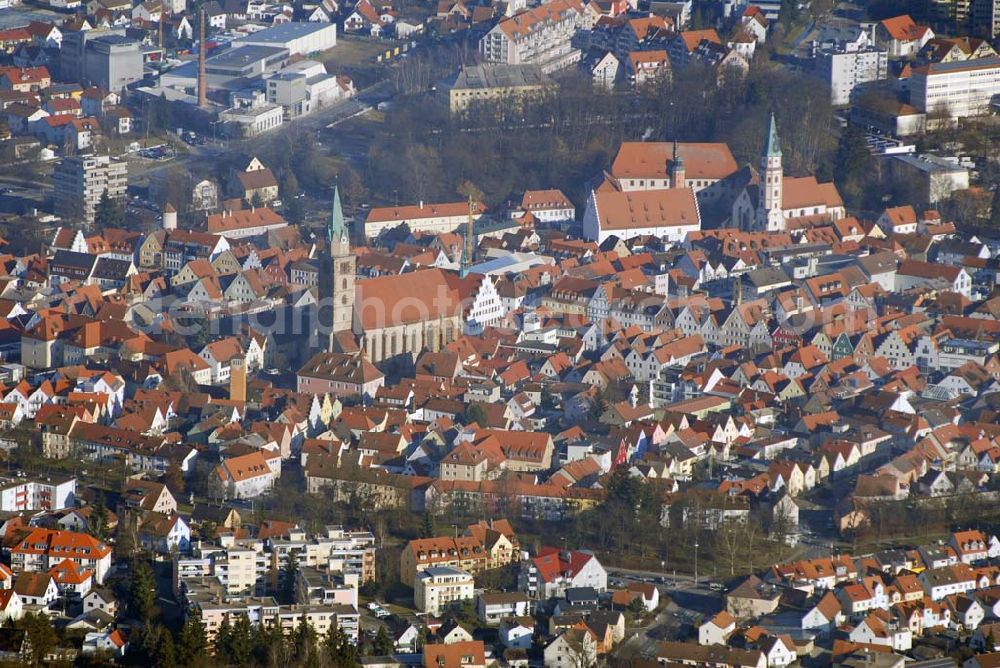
[[98, 524], [475, 413], [852, 165], [42, 637], [293, 211], [548, 401], [241, 642], [270, 648], [165, 652], [304, 644], [158, 646], [289, 185], [628, 494], [288, 576], [109, 212], [427, 529], [125, 537], [382, 645], [223, 642], [340, 651], [142, 592], [192, 644], [788, 13]]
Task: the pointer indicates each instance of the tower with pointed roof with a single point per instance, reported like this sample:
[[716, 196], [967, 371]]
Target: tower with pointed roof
[[337, 275], [468, 241], [677, 174], [770, 213]]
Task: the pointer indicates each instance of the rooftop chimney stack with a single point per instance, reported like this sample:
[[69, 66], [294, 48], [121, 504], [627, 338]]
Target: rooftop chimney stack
[[202, 83]]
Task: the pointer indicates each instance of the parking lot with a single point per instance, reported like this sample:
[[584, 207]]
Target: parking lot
[[159, 152], [688, 605]]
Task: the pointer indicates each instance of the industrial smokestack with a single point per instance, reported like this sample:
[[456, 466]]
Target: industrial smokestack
[[202, 83]]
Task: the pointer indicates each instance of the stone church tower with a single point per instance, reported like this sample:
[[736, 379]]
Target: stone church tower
[[337, 277], [770, 213]]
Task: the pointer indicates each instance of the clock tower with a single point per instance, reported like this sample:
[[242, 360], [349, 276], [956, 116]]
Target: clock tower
[[337, 275]]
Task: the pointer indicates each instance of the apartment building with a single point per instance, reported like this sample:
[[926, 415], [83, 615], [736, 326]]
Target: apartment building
[[80, 180], [241, 569], [846, 65], [436, 589], [488, 545], [339, 549], [265, 610], [317, 587], [42, 549], [20, 495], [956, 90], [541, 36], [980, 18]]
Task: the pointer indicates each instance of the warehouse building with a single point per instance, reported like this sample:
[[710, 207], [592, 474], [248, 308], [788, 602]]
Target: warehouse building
[[298, 38]]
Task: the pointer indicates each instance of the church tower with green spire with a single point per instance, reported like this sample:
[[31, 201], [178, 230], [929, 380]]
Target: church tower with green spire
[[770, 210], [337, 275]]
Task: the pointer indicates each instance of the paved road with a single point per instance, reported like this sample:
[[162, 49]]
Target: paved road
[[23, 182]]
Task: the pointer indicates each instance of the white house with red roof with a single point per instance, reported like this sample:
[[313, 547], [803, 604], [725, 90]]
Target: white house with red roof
[[918, 274], [754, 23], [973, 545], [898, 220], [249, 475], [112, 642], [11, 606], [779, 650], [901, 37], [877, 629], [546, 205], [219, 354], [73, 582], [716, 631], [553, 571], [647, 66]]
